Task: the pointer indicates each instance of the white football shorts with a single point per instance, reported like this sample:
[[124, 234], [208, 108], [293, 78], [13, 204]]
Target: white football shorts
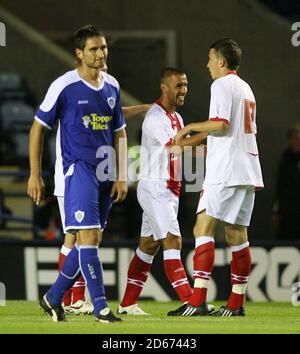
[[233, 205], [59, 180], [61, 204], [160, 207]]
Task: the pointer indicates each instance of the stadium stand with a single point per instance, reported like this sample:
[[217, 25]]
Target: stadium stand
[[14, 87], [16, 119], [17, 109]]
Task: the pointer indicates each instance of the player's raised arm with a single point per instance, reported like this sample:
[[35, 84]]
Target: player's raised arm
[[207, 127], [36, 185], [187, 143], [132, 111]]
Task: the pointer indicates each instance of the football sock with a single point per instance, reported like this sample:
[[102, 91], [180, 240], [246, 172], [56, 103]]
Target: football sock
[[66, 278], [203, 265], [240, 270], [62, 256], [176, 274], [137, 275], [78, 290], [91, 269]]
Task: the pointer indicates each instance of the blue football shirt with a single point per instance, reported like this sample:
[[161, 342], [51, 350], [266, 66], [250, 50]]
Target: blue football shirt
[[88, 116]]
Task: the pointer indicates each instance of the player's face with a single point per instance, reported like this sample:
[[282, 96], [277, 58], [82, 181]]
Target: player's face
[[214, 64], [176, 89], [94, 54]]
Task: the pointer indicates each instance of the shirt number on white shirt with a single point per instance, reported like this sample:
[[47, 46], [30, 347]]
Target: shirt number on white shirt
[[249, 108]]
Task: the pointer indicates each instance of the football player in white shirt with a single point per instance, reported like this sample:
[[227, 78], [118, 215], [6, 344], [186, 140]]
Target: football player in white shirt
[[74, 301], [158, 193], [233, 174]]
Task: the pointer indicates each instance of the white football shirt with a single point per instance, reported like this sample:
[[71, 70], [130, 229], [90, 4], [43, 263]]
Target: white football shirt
[[59, 178], [158, 131], [232, 157]]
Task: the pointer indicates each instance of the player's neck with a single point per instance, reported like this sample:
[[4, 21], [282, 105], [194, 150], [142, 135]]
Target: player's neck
[[166, 105], [225, 71], [92, 76]]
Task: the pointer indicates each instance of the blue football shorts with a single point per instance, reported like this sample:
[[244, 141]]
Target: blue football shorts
[[87, 200]]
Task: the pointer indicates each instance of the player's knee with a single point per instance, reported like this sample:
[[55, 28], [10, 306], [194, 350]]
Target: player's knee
[[199, 230], [149, 246], [89, 237], [100, 238], [70, 240], [205, 225], [235, 235], [172, 242]]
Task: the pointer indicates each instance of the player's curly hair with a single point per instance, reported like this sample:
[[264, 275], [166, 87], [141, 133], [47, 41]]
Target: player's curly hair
[[82, 34], [230, 51]]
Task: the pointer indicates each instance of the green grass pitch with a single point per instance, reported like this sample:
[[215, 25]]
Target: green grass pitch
[[26, 317]]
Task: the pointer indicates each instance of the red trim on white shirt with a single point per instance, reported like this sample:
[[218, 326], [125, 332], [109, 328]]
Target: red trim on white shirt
[[232, 73], [170, 142], [222, 119], [174, 167], [257, 189]]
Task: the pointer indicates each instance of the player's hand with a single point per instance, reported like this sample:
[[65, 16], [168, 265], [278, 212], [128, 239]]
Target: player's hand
[[181, 134], [119, 189], [36, 188]]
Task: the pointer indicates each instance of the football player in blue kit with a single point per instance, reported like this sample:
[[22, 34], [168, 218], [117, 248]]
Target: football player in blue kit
[[86, 101]]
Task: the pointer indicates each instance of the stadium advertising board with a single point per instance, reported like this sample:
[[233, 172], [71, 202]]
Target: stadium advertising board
[[274, 271]]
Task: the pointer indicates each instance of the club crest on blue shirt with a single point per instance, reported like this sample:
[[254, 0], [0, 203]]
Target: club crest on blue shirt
[[79, 215], [86, 121], [111, 101]]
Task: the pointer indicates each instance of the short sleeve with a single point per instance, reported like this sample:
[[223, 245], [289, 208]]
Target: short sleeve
[[220, 102], [160, 130], [118, 117], [49, 111]]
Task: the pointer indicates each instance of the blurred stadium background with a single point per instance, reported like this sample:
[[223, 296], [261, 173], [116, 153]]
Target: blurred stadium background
[[143, 37]]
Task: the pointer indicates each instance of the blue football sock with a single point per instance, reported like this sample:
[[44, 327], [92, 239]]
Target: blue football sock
[[66, 278], [91, 269]]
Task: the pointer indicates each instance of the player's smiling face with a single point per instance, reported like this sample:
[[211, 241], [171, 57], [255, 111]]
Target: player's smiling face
[[214, 64], [94, 54], [177, 89]]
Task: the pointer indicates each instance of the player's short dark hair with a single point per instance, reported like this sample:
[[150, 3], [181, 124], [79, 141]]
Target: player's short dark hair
[[167, 72], [230, 51], [82, 34]]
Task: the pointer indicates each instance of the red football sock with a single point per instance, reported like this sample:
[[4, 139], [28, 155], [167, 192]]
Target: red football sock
[[68, 294], [176, 274], [78, 290], [240, 270], [137, 275], [203, 265]]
